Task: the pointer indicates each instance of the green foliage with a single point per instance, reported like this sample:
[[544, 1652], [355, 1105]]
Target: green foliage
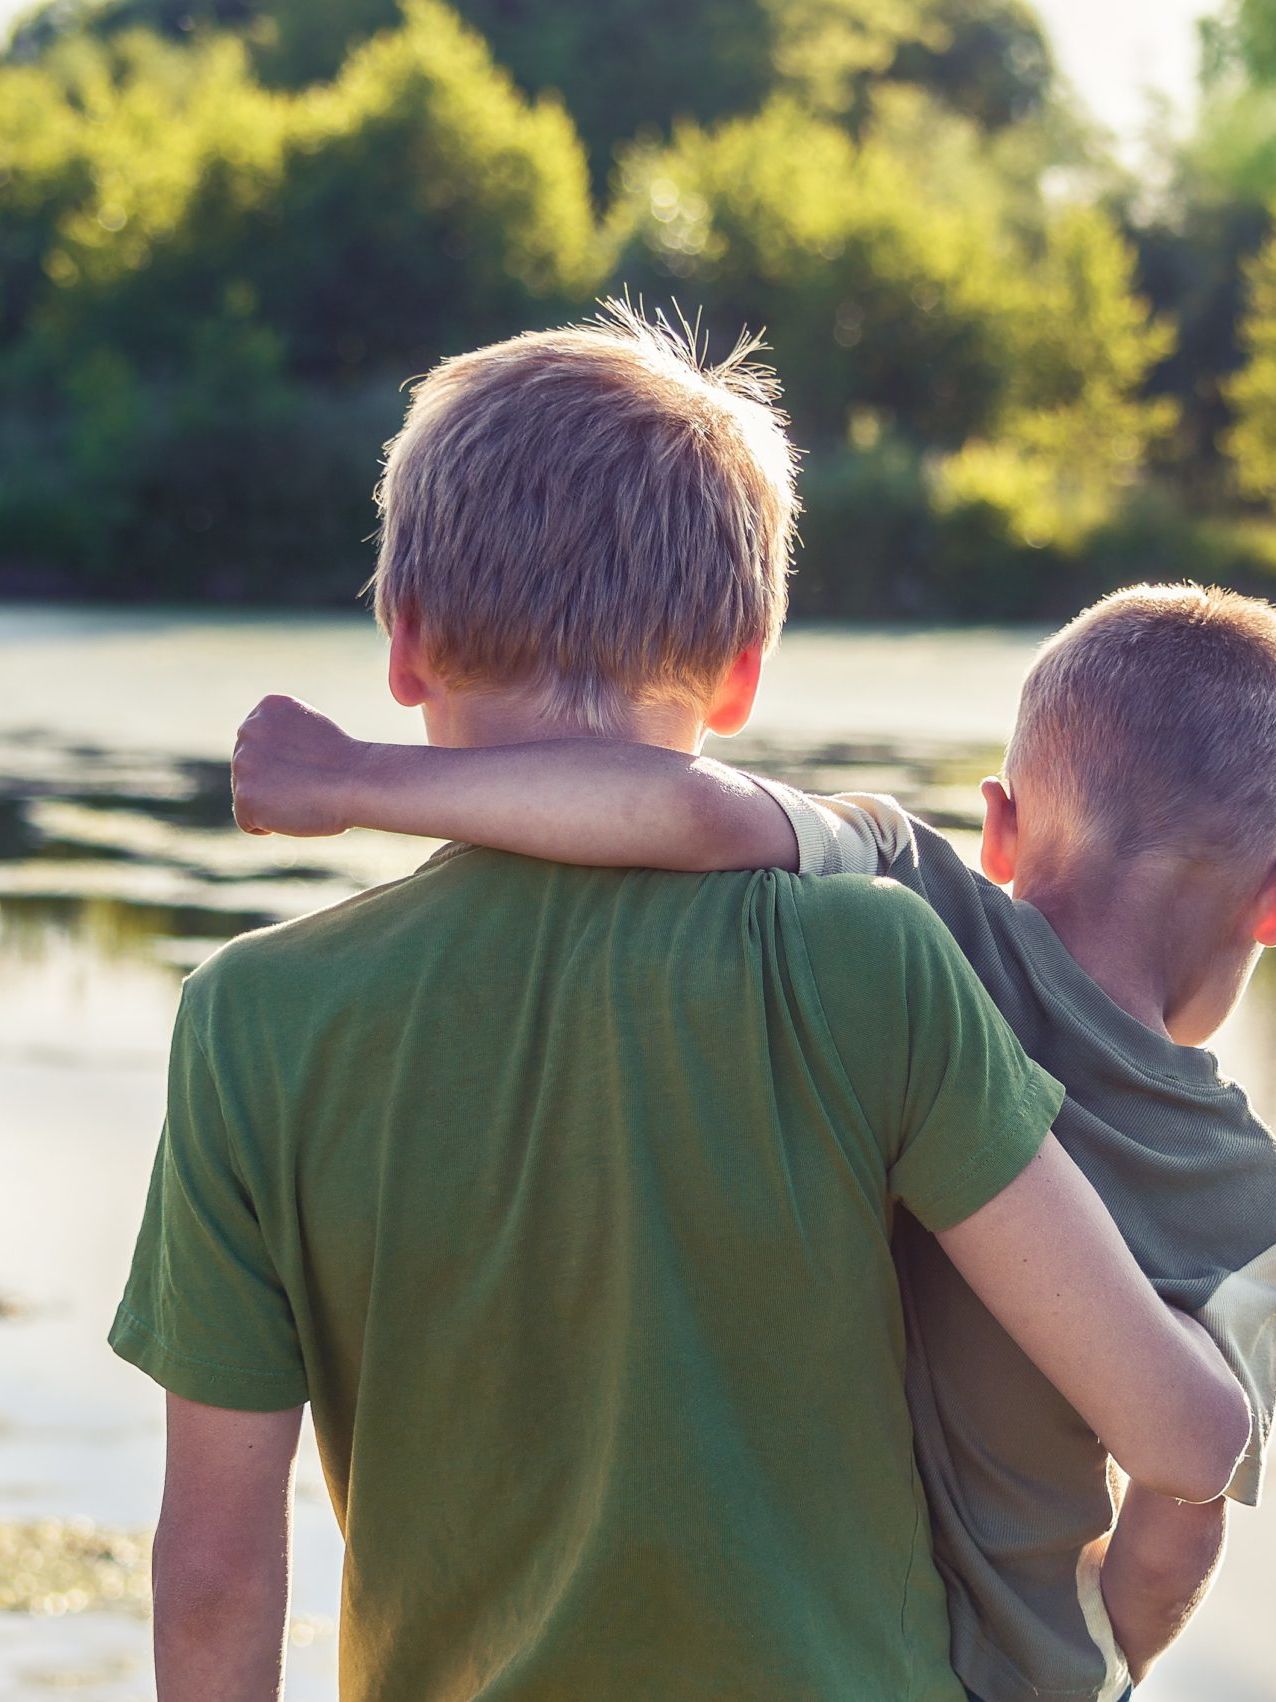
[[626, 67], [1077, 426], [306, 41], [629, 67], [230, 228], [990, 61], [1233, 154], [189, 254], [45, 173], [1251, 443], [340, 216], [879, 290], [1253, 27], [1191, 268]]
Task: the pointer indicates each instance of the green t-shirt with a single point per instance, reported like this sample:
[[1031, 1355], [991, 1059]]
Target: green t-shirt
[[563, 1195]]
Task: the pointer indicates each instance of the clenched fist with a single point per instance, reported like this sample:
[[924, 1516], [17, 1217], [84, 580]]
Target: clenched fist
[[293, 771]]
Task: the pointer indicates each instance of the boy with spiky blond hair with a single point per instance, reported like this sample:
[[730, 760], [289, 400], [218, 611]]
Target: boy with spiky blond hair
[[1137, 820], [562, 1194], [556, 1191]]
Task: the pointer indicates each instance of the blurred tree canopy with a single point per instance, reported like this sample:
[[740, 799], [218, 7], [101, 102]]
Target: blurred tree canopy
[[230, 229], [1252, 391], [624, 67]]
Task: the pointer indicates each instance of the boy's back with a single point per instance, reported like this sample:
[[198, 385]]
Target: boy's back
[[591, 1296], [1017, 1483]]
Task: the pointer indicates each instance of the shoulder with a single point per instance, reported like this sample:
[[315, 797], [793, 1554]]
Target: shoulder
[[290, 961], [859, 923], [860, 904]]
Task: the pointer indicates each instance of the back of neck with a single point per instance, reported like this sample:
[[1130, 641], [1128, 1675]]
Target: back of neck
[[1129, 925], [475, 718]]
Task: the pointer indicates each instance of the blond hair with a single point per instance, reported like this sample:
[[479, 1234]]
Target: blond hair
[[592, 513], [1149, 724]]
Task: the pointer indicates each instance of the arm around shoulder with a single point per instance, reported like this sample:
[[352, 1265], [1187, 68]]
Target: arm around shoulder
[[591, 801]]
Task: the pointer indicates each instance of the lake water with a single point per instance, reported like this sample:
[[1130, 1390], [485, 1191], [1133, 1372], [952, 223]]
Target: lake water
[[119, 870]]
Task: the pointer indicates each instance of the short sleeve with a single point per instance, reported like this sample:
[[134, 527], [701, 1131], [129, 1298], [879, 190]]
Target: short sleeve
[[836, 836], [204, 1312], [881, 820], [957, 1107], [1241, 1317], [976, 1109]]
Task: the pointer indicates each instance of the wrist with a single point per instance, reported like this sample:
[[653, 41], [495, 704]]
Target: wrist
[[361, 779], [385, 787]]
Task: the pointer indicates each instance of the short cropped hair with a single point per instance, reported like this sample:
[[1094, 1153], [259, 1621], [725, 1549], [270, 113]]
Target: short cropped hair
[[1149, 722], [594, 513]]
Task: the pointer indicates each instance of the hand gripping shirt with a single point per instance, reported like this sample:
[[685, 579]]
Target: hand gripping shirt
[[1018, 1486], [563, 1195]]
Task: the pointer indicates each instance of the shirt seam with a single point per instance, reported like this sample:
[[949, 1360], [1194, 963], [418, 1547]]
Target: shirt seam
[[193, 1359], [834, 1048], [232, 1145], [991, 1149]]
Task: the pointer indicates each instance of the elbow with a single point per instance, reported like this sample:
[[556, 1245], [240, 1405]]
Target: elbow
[[711, 832], [1224, 1424], [731, 825], [1194, 1458]]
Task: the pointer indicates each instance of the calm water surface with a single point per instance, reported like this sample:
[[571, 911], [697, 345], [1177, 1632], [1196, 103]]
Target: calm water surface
[[119, 871]]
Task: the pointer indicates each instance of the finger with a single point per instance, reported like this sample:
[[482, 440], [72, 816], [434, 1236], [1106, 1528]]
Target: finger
[[245, 824], [239, 808]]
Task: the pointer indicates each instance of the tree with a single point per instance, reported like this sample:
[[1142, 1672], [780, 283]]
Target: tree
[[989, 59], [881, 290], [416, 204], [44, 27], [222, 286], [1251, 442], [1233, 153], [631, 67], [45, 171], [1077, 425], [639, 67]]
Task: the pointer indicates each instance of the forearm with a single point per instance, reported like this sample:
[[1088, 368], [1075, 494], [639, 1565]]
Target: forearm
[[588, 801], [218, 1639], [1159, 1565]]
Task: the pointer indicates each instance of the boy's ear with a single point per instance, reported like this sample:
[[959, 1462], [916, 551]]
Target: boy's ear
[[733, 702], [1265, 926], [1001, 833], [411, 680]]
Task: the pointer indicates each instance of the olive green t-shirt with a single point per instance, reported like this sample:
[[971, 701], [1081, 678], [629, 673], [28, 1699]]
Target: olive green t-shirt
[[564, 1197]]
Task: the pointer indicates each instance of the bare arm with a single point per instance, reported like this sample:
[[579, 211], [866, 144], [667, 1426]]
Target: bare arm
[[221, 1556], [595, 801], [1160, 1563], [1049, 1263]]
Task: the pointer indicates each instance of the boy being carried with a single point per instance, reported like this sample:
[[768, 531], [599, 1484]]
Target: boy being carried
[[1137, 819]]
